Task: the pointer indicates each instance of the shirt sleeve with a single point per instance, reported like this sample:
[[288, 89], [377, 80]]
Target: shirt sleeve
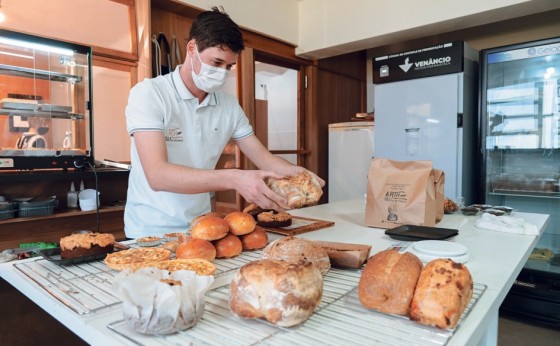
[[242, 127], [144, 111]]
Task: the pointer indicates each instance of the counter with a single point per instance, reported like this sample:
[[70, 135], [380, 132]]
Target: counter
[[495, 261]]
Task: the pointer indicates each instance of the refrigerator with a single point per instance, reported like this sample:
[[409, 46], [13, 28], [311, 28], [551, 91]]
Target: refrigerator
[[425, 103], [350, 153], [520, 100]]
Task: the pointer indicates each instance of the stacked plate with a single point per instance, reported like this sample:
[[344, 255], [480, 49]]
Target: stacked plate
[[428, 250]]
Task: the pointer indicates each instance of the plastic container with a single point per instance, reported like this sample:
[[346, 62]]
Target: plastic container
[[7, 210], [88, 198], [42, 208]]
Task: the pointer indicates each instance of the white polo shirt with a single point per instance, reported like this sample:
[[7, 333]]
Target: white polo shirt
[[195, 134]]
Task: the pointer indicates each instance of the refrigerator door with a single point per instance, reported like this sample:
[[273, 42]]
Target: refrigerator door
[[417, 120], [350, 153]]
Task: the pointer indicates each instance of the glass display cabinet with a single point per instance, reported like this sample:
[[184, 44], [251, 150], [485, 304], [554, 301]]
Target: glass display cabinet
[[45, 103]]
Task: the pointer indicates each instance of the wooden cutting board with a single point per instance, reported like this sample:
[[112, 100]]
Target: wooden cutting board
[[301, 225]]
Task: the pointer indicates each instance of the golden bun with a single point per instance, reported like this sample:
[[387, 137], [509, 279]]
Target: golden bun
[[240, 223], [196, 248], [210, 228], [257, 239], [227, 247]]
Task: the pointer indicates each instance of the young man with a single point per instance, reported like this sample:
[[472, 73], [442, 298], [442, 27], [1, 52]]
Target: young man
[[179, 125]]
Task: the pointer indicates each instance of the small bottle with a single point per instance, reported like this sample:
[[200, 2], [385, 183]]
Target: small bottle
[[67, 142], [82, 185], [72, 197]]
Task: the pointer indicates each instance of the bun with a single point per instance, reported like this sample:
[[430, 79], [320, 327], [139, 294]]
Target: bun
[[443, 291], [196, 248], [282, 293], [228, 246], [200, 217], [240, 223], [294, 250], [171, 245], [254, 240], [300, 190], [388, 280], [210, 228]]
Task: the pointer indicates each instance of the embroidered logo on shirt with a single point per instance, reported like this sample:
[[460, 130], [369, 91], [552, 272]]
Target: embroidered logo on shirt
[[174, 135]]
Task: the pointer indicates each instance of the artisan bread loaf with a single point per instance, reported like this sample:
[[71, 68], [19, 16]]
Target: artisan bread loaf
[[282, 293], [294, 250], [300, 190], [388, 280], [443, 291]]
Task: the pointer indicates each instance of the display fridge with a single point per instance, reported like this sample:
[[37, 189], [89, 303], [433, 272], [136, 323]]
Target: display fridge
[[519, 108], [426, 109]]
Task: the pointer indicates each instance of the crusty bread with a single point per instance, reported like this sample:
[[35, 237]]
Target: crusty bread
[[254, 240], [282, 293], [294, 250], [443, 292], [210, 228], [240, 223], [388, 280], [300, 190]]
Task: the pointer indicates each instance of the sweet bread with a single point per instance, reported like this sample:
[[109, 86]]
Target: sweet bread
[[300, 190]]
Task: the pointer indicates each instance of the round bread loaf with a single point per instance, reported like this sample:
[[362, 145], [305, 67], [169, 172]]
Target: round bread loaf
[[227, 247], [444, 290], [294, 250], [300, 190], [388, 280], [210, 228], [196, 248], [282, 293], [254, 240], [240, 223]]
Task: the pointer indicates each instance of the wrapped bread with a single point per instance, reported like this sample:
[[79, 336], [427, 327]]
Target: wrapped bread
[[388, 281], [282, 293], [443, 292], [293, 250], [300, 190], [159, 301]]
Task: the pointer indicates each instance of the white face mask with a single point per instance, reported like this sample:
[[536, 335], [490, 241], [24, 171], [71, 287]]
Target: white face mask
[[210, 78]]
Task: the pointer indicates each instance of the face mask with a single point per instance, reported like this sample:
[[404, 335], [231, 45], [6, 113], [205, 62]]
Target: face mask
[[210, 78]]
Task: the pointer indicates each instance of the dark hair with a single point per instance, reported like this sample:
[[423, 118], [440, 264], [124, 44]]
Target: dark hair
[[215, 28]]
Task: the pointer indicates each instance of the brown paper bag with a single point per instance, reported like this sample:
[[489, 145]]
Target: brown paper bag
[[400, 193], [439, 181]]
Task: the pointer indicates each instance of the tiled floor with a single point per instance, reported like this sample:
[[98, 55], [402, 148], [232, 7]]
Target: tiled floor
[[515, 333]]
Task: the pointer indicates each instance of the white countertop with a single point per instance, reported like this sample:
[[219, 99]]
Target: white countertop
[[495, 261]]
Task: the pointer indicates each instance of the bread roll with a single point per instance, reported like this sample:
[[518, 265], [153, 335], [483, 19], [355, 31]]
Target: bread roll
[[227, 247], [196, 248], [300, 190], [200, 217], [388, 280], [443, 292], [294, 250], [282, 293], [210, 228], [240, 223], [254, 240]]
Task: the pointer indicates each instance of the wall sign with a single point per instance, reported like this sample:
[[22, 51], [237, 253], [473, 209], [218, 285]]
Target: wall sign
[[424, 62]]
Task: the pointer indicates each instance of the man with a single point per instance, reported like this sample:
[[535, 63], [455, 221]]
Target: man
[[179, 125]]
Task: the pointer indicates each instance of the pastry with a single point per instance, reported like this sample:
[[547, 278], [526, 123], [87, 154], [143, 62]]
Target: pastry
[[227, 247], [86, 244], [148, 241], [273, 218], [294, 250], [210, 228], [254, 240], [196, 248], [240, 223], [388, 280], [199, 266], [285, 294], [443, 291], [133, 258], [300, 190]]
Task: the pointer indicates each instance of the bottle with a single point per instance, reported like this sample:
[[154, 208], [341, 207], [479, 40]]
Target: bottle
[[72, 197], [82, 185], [67, 142]]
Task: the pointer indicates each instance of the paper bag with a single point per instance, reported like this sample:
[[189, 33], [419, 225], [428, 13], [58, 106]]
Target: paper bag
[[439, 182], [401, 193]]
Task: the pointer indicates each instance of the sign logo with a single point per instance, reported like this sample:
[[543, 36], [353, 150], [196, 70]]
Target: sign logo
[[406, 66]]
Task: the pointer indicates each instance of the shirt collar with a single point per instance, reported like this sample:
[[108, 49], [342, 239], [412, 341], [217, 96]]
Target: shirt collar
[[184, 93]]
